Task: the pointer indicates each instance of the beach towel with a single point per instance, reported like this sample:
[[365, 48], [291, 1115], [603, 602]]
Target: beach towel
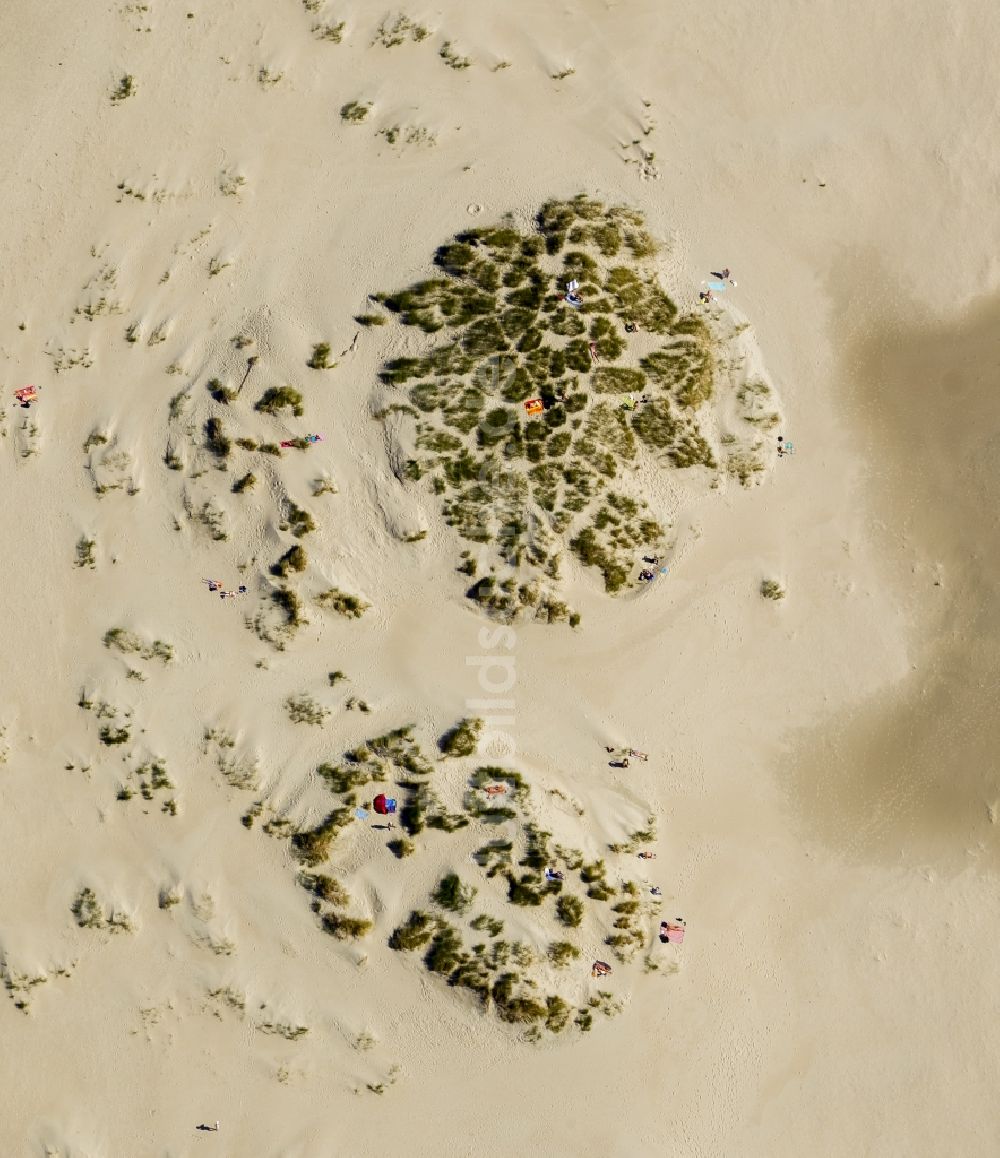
[[675, 933]]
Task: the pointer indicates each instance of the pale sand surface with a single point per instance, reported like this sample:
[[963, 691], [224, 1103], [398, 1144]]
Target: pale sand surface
[[823, 771]]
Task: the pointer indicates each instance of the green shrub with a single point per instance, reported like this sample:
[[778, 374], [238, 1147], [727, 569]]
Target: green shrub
[[320, 357], [772, 589], [401, 847], [294, 559], [569, 910], [312, 846], [303, 709], [342, 927], [462, 739], [414, 933], [354, 112], [278, 398], [350, 606], [124, 89], [451, 894], [445, 952], [245, 483], [326, 888], [562, 953], [521, 890], [490, 925]]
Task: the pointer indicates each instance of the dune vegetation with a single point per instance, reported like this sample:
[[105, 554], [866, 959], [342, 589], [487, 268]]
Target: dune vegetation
[[532, 406]]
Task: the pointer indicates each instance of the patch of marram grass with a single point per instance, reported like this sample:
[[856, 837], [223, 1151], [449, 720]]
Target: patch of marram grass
[[86, 553], [462, 739], [531, 485], [396, 30], [354, 112], [125, 88], [278, 398], [304, 709], [772, 589], [350, 606], [319, 359]]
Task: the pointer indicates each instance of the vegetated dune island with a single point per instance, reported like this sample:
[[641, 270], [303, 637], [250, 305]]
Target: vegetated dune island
[[547, 409], [442, 597]]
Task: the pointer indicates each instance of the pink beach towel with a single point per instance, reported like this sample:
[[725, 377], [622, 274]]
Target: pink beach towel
[[675, 933]]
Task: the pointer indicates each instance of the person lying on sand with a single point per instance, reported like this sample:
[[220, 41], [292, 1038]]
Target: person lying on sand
[[600, 969], [495, 789], [553, 875], [647, 856]]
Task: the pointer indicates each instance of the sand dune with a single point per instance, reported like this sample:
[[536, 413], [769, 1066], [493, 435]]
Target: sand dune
[[235, 229]]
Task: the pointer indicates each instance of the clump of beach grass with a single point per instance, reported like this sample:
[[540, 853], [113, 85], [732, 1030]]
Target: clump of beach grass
[[452, 58], [350, 606], [86, 553], [294, 559], [394, 31], [125, 88], [319, 359], [453, 895], [772, 589], [462, 739], [278, 398], [304, 709], [333, 33], [128, 643], [354, 112]]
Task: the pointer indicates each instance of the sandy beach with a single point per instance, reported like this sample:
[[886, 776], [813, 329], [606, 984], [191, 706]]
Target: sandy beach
[[274, 272]]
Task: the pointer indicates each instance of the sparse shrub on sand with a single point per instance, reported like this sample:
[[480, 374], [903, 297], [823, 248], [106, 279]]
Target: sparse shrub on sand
[[91, 914], [303, 709], [370, 319], [125, 88], [569, 910], [350, 606], [323, 485], [401, 847], [453, 895], [772, 589], [462, 739], [492, 926], [562, 954], [394, 31], [216, 439], [247, 482], [278, 398], [445, 951], [312, 846], [299, 521], [354, 112], [290, 603], [333, 33], [220, 392], [294, 559], [414, 933], [343, 927], [128, 643], [452, 58], [319, 359], [268, 79], [85, 553]]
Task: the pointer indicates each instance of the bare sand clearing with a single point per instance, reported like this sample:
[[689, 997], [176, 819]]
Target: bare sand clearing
[[186, 187]]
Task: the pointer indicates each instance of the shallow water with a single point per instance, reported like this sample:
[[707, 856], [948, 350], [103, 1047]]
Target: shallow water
[[914, 775]]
